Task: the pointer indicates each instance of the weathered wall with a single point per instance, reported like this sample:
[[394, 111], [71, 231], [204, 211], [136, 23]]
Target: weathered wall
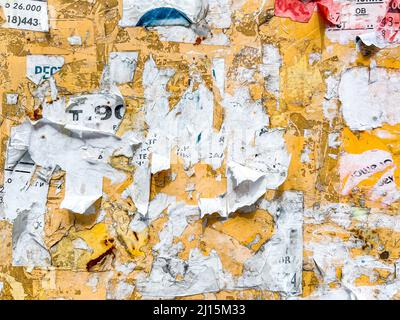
[[258, 160]]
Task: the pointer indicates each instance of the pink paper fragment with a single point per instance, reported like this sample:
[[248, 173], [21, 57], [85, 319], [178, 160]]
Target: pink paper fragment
[[302, 11]]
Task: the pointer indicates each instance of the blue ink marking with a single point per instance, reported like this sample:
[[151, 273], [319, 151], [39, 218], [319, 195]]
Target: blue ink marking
[[164, 17]]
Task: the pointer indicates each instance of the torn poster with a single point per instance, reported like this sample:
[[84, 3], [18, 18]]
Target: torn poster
[[42, 67], [187, 21], [199, 150], [257, 159], [122, 66], [368, 97], [163, 13], [51, 145], [277, 266], [24, 197], [97, 112], [375, 23], [358, 168], [200, 274], [302, 11], [26, 15]]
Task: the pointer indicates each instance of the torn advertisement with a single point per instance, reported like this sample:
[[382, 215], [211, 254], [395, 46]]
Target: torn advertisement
[[386, 190], [187, 146], [151, 13], [101, 111], [18, 187], [157, 115], [192, 121], [78, 131], [173, 277], [25, 15], [331, 253], [278, 265], [83, 155], [389, 26], [357, 168], [42, 67], [358, 17], [270, 69], [24, 199], [264, 168], [98, 112], [139, 190], [369, 97], [257, 158], [302, 11], [122, 66], [188, 129], [181, 20], [201, 274], [29, 248], [165, 137], [375, 23]]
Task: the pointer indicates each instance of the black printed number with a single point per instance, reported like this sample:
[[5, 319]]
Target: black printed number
[[106, 112]]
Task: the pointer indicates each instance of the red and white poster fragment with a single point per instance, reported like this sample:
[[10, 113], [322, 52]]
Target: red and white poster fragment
[[302, 11], [375, 22]]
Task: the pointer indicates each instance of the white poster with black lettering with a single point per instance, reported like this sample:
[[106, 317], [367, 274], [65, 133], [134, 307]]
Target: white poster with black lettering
[[25, 14]]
